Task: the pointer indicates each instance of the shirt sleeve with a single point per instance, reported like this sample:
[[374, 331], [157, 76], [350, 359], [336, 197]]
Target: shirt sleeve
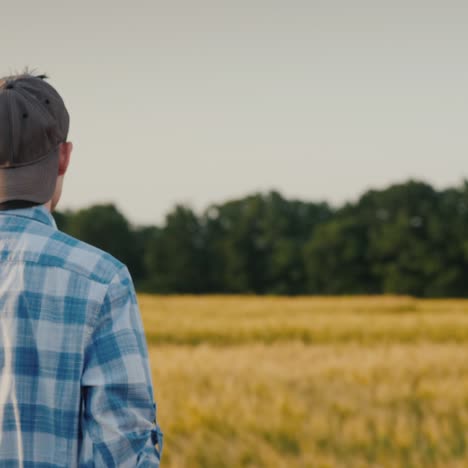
[[118, 407]]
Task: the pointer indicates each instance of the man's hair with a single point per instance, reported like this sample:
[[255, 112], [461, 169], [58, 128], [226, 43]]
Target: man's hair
[[26, 73]]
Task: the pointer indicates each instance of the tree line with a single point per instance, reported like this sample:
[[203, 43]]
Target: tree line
[[406, 239]]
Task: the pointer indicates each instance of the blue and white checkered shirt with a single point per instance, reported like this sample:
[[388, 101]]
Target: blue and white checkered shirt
[[75, 380]]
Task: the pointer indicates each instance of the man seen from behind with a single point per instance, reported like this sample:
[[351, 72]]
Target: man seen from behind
[[75, 381]]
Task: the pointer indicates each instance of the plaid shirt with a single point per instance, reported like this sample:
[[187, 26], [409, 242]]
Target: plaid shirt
[[75, 381]]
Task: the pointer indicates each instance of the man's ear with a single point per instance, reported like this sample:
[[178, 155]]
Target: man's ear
[[65, 150]]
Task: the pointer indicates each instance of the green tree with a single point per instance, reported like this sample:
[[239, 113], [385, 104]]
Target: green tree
[[175, 258], [406, 239], [405, 248], [255, 243], [337, 259]]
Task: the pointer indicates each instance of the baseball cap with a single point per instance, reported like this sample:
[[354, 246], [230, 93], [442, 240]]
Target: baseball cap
[[33, 123]]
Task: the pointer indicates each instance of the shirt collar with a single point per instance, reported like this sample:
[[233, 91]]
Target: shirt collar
[[37, 213]]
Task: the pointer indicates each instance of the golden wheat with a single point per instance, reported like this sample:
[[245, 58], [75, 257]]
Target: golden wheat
[[362, 382]]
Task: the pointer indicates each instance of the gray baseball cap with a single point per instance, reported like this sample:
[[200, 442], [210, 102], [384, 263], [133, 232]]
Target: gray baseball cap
[[33, 123]]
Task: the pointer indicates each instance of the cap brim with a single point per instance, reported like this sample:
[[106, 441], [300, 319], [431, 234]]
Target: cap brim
[[34, 182]]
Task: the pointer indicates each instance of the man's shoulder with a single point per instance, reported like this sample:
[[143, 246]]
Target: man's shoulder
[[31, 236], [81, 258]]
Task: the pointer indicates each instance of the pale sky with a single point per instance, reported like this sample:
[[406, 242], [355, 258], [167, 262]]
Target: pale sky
[[197, 102]]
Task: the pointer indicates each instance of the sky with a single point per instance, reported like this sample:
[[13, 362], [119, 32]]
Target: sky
[[199, 102]]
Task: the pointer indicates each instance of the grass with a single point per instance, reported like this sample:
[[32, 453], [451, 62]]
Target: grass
[[310, 382]]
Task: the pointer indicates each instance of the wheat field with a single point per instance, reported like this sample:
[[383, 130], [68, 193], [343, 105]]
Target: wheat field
[[245, 381]]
